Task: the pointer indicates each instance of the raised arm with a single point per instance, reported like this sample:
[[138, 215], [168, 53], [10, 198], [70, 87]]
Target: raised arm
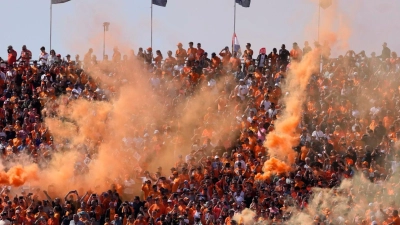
[[47, 196]]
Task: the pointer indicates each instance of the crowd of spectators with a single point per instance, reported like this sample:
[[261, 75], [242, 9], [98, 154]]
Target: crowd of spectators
[[350, 123]]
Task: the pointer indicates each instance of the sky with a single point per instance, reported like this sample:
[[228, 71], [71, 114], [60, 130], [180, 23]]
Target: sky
[[78, 24]]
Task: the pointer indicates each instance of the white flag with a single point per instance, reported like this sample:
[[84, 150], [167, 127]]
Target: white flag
[[59, 1]]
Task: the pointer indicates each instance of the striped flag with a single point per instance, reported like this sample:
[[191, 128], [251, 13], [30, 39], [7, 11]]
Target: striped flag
[[244, 3], [59, 1], [162, 3], [236, 45]]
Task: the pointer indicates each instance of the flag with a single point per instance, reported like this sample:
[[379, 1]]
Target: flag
[[236, 45], [162, 3], [59, 1], [325, 3], [244, 3]]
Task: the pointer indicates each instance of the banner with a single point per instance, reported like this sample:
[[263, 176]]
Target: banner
[[59, 1], [244, 3], [162, 3]]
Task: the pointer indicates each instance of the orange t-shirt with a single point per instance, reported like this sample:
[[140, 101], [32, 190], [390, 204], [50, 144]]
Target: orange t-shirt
[[235, 63], [215, 61], [199, 53], [191, 53]]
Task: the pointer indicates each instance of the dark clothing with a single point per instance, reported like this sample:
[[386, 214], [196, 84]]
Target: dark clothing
[[379, 132], [284, 55], [385, 53], [136, 207]]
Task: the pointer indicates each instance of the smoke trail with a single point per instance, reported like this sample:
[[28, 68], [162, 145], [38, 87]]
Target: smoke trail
[[18, 175], [281, 141], [246, 217], [272, 167]]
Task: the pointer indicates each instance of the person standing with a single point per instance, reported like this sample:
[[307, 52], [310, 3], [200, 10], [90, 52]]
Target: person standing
[[200, 52], [180, 54], [248, 53], [261, 61], [385, 52], [12, 55], [283, 56], [87, 58], [306, 48], [296, 54], [191, 54], [26, 55]]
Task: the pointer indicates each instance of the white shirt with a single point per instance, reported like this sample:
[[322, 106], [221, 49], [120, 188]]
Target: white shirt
[[211, 83], [77, 223], [239, 197], [374, 110], [243, 164], [266, 104], [318, 134], [11, 73], [262, 60], [242, 91], [272, 112], [51, 59], [44, 57], [5, 222]]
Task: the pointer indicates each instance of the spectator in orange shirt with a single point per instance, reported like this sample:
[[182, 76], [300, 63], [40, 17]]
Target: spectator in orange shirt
[[296, 54], [12, 55], [199, 51], [26, 55], [235, 61], [215, 60], [180, 54], [248, 53], [191, 54], [52, 220], [158, 58], [226, 56], [395, 218]]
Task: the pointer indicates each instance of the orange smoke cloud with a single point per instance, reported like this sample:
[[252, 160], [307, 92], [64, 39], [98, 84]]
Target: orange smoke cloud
[[281, 141], [272, 167], [18, 175], [285, 136]]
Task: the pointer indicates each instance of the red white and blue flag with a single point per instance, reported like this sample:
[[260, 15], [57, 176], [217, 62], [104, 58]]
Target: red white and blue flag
[[236, 45]]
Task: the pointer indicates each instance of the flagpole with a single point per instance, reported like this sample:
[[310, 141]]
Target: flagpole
[[151, 33], [319, 16], [51, 20], [234, 20]]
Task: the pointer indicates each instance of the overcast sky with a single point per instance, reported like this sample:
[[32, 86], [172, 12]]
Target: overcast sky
[[77, 25]]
